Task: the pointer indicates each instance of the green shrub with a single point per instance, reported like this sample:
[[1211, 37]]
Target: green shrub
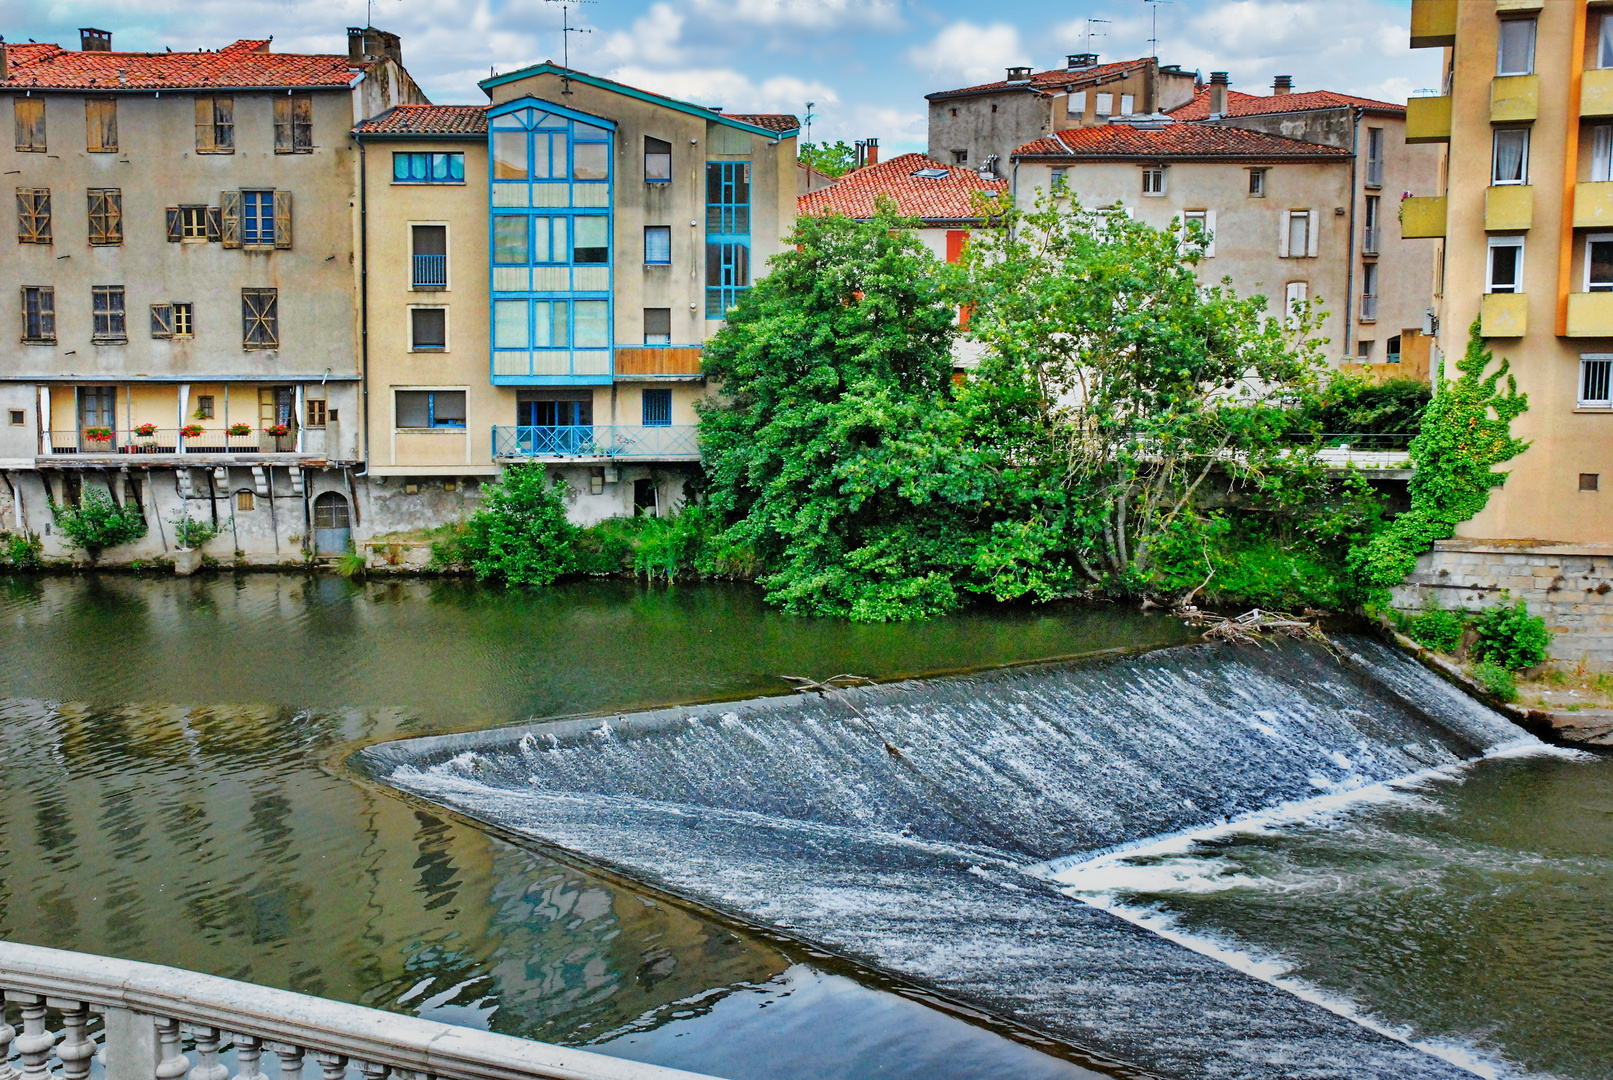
[[520, 536], [350, 564], [1511, 637], [20, 552], [98, 523], [1353, 405], [1438, 629], [1497, 680], [190, 532]]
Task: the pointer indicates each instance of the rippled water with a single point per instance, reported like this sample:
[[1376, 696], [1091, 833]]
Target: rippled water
[[172, 791]]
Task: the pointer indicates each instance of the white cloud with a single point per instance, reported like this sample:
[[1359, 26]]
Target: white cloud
[[730, 89], [970, 53], [654, 38], [805, 14]]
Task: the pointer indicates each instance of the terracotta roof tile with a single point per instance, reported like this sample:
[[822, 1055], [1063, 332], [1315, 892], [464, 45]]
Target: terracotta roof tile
[[238, 66], [770, 121], [942, 198], [1179, 141], [1050, 80], [1241, 104], [427, 120]]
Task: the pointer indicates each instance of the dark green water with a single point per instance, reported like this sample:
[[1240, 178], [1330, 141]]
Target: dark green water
[[172, 792]]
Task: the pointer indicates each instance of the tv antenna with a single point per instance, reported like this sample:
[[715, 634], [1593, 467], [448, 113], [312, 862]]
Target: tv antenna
[[369, 12], [1091, 32], [566, 30], [809, 121], [1153, 42]]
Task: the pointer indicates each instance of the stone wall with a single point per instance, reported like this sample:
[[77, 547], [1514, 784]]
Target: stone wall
[[1570, 586]]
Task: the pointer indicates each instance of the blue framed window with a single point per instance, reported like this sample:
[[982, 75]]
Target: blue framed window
[[421, 168], [552, 250], [657, 408], [658, 245], [257, 217], [430, 408], [727, 234]]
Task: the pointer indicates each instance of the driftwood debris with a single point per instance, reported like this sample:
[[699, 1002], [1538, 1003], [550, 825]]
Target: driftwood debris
[[1251, 626], [841, 682]]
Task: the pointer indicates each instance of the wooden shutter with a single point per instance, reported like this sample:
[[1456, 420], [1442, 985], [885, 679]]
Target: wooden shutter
[[174, 235], [282, 125], [282, 219], [1311, 231], [215, 225], [204, 125], [33, 215], [106, 216], [302, 122], [1283, 227], [29, 117], [229, 204], [260, 319], [162, 320], [101, 122]]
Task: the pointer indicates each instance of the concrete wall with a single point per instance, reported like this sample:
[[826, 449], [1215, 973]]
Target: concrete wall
[[988, 124]]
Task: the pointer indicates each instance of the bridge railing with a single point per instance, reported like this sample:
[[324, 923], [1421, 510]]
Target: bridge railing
[[148, 1011]]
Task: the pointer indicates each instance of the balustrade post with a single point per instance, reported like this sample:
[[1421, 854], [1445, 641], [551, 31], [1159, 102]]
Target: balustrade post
[[7, 1034], [248, 1052], [374, 1070], [76, 1048], [331, 1066], [207, 1063], [35, 1042], [173, 1064], [290, 1060]]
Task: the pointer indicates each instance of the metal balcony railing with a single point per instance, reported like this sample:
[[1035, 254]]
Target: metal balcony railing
[[597, 441], [169, 441], [430, 272], [1369, 306], [1369, 240]]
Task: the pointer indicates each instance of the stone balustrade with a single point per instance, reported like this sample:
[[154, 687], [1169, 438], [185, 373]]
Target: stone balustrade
[[148, 1012]]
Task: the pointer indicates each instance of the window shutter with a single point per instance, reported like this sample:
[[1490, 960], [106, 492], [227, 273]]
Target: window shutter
[[224, 124], [1209, 227], [215, 225], [101, 122], [282, 219], [204, 123], [229, 205], [162, 320], [47, 313], [173, 224], [282, 125], [114, 214], [302, 122], [1311, 237], [1282, 234]]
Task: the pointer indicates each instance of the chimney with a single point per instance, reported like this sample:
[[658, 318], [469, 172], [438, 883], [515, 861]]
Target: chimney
[[873, 151], [1019, 74], [367, 43], [5, 62], [1218, 93], [1080, 61], [1282, 84], [92, 40]]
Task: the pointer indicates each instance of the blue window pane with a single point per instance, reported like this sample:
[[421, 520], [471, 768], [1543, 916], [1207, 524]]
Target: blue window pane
[[543, 326], [509, 238], [257, 217], [657, 408], [509, 324], [592, 324], [400, 166], [592, 240], [456, 166], [658, 244]]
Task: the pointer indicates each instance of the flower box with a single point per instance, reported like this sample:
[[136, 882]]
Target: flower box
[[146, 431], [98, 434], [239, 430], [278, 431], [191, 431]]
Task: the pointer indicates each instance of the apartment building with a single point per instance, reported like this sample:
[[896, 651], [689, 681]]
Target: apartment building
[[1522, 217], [1293, 188], [184, 331], [540, 275], [981, 126]]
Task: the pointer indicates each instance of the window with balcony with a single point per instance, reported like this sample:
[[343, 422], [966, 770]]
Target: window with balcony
[[418, 168], [429, 409], [1369, 229], [106, 312], [657, 408], [38, 315], [1599, 262], [657, 245], [428, 329], [1511, 156], [657, 326], [657, 161], [1154, 182], [428, 257], [1374, 158], [1596, 382], [1515, 51], [1505, 271], [1369, 292]]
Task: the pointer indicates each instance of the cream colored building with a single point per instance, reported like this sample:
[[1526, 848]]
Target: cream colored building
[[540, 276], [1523, 218], [182, 331]]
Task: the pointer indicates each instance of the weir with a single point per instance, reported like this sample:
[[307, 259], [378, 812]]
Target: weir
[[904, 825]]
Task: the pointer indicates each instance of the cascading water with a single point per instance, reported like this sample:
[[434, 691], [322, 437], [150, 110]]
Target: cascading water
[[795, 812]]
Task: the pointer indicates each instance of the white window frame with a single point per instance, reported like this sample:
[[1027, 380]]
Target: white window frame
[[1128, 102], [1534, 39], [1595, 238], [1257, 183], [1205, 218], [1294, 292], [447, 339], [1156, 175], [1285, 234], [1059, 182], [1489, 263], [1580, 400], [1105, 105], [448, 250], [1075, 105], [1495, 158]]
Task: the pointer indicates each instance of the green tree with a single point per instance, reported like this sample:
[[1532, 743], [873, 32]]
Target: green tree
[[98, 523], [520, 536], [831, 159], [1466, 431]]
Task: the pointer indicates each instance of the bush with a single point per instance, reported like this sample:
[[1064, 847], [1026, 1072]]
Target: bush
[[1353, 405], [98, 523], [1438, 629], [192, 533], [20, 552], [1511, 638], [1497, 680], [520, 536]]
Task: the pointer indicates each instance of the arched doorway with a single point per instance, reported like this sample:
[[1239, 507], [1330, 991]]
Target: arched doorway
[[333, 524]]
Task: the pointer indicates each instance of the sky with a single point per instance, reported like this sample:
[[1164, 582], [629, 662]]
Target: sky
[[866, 64]]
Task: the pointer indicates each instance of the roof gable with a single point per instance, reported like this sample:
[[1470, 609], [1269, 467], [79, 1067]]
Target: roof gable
[[1057, 79], [548, 67], [426, 121]]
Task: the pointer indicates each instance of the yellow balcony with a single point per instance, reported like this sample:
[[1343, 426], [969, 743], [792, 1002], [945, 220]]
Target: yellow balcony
[[1422, 218], [1504, 315], [1433, 23], [1596, 92], [1428, 119], [1593, 206], [1507, 7], [1590, 314], [1509, 207], [1514, 98]]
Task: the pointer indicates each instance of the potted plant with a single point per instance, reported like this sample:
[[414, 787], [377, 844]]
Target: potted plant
[[146, 431], [191, 431], [277, 432], [98, 434], [240, 430]]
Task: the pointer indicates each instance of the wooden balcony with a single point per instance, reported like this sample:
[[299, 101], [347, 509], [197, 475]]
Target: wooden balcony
[[1509, 207], [1514, 98], [1428, 119], [1593, 205], [653, 360], [1504, 315], [1422, 218], [1433, 23], [1590, 315]]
